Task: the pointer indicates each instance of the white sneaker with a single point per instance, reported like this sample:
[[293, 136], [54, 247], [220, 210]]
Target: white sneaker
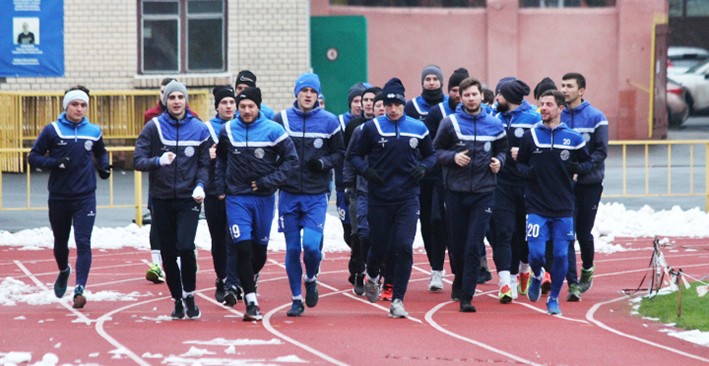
[[397, 309], [513, 287], [436, 283]]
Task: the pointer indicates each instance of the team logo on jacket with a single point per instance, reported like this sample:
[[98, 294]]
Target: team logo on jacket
[[88, 145], [519, 132], [189, 151], [564, 155], [61, 143], [259, 153], [414, 142], [317, 143], [487, 147], [586, 136]]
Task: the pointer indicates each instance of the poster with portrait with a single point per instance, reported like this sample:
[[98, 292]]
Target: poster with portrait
[[31, 38]]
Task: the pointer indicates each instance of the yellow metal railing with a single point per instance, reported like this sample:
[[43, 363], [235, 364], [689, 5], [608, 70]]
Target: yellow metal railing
[[652, 168], [119, 113], [137, 203]]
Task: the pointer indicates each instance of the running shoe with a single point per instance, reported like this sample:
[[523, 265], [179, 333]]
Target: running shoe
[[397, 309], [61, 283], [553, 306], [155, 274], [586, 280], [505, 294], [535, 288], [523, 283], [79, 298], [546, 283], [387, 292], [296, 309]]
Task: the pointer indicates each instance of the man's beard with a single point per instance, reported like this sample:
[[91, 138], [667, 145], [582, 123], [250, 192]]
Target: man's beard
[[503, 107]]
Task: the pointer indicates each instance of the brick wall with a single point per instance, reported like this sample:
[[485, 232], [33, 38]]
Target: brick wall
[[269, 37]]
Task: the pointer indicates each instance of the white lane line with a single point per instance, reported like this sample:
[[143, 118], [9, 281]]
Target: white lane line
[[590, 316], [620, 273], [267, 324], [80, 316], [123, 349], [213, 301], [430, 321]]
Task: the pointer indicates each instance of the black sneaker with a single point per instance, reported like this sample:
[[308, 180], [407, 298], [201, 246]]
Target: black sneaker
[[220, 290], [296, 308], [484, 275], [179, 311], [232, 296], [79, 298], [311, 293], [61, 283], [253, 313], [359, 284], [467, 307], [192, 309]]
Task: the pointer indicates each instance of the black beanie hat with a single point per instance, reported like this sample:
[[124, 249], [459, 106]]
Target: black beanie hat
[[502, 81], [456, 77], [544, 85], [246, 77], [514, 91], [356, 90], [221, 92], [393, 92], [253, 94], [372, 89]]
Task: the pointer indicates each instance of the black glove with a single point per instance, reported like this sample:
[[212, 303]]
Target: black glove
[[372, 176], [315, 165], [571, 167], [63, 163], [349, 194], [418, 173], [104, 173]]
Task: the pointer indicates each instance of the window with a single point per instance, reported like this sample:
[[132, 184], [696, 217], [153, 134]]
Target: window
[[565, 3], [689, 8], [414, 3], [179, 36]]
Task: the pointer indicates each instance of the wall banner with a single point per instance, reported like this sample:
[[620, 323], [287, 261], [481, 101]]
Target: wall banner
[[31, 38]]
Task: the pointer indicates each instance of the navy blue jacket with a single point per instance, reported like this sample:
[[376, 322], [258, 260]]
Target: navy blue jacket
[[394, 149], [484, 137], [418, 108], [592, 124], [545, 158], [516, 123], [215, 126], [78, 141], [316, 135], [189, 139], [260, 151]]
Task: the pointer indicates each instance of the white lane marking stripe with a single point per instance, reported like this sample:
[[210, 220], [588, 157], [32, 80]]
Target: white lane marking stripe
[[590, 316]]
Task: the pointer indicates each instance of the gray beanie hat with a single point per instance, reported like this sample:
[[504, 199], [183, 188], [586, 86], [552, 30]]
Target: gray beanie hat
[[432, 69], [174, 86]]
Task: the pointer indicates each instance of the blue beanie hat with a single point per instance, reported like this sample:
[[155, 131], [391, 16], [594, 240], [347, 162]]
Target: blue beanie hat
[[393, 92], [305, 80]]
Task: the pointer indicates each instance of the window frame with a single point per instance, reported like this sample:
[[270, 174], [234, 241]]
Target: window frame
[[182, 17]]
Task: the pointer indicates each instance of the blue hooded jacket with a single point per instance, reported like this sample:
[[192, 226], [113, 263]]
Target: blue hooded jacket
[[592, 124], [215, 126], [79, 141], [516, 123]]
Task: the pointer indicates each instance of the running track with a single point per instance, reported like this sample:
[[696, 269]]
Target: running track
[[343, 328]]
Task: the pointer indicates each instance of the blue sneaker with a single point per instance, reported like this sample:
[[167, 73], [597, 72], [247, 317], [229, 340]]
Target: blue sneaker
[[311, 293], [553, 306], [535, 288], [296, 308], [61, 283]]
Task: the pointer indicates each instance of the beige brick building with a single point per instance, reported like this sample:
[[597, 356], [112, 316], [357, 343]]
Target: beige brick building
[[102, 41]]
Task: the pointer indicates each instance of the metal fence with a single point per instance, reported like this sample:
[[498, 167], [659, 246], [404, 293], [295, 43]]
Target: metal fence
[[633, 169]]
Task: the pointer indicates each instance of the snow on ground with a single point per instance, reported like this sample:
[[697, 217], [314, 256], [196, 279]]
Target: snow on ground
[[613, 221]]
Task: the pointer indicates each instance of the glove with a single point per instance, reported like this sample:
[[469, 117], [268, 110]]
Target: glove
[[63, 163], [198, 193], [418, 173], [349, 194], [315, 165], [166, 158], [372, 176], [104, 173]]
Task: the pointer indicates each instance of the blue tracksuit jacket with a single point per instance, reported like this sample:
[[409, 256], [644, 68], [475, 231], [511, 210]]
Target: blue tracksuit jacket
[[189, 139], [516, 123], [592, 124], [484, 137], [418, 108], [393, 149], [544, 158], [316, 135], [79, 141], [260, 151]]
